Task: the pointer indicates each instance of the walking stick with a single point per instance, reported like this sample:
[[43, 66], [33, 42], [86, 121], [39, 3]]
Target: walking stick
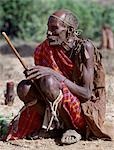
[[14, 50], [20, 59]]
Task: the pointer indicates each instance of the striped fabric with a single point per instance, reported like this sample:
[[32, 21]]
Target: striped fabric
[[29, 121], [72, 105], [54, 57]]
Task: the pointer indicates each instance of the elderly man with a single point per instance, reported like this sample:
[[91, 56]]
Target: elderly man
[[62, 91]]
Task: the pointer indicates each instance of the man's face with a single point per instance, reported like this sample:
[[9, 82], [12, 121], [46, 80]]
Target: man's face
[[56, 33]]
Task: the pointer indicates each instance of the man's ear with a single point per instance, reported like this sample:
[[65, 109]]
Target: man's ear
[[70, 31]]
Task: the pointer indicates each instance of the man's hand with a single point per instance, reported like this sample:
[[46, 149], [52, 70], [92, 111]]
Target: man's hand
[[37, 72]]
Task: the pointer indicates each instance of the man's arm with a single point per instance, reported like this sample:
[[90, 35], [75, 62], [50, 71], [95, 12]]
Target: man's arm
[[85, 91]]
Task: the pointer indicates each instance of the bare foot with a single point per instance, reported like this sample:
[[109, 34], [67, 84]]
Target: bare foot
[[70, 137]]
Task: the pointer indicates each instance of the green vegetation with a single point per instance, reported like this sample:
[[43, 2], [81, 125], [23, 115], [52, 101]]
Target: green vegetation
[[27, 19]]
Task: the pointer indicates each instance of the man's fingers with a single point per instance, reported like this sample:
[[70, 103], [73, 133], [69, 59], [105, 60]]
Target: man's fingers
[[40, 76], [32, 71], [36, 76], [36, 67], [33, 76]]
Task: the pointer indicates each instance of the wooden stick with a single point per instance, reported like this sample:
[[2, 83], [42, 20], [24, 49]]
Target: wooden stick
[[20, 59], [14, 50]]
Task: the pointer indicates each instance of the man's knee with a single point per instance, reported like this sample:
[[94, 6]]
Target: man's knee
[[50, 86], [25, 91]]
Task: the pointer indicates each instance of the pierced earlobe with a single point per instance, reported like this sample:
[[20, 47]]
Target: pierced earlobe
[[78, 32]]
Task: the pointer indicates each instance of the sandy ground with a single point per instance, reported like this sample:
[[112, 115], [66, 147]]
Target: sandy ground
[[11, 70]]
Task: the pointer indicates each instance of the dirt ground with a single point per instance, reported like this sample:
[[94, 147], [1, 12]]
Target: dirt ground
[[11, 70]]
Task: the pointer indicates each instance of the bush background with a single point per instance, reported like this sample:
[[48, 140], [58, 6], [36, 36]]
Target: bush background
[[27, 19]]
